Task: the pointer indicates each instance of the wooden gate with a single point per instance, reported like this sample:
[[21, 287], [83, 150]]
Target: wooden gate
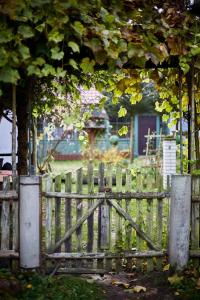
[[103, 225]]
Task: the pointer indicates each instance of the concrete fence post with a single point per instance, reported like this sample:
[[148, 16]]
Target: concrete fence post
[[179, 223], [30, 222], [169, 160]]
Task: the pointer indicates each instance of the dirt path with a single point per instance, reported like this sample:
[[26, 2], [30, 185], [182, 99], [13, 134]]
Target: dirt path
[[125, 286]]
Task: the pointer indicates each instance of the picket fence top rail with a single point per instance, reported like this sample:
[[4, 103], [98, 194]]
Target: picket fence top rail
[[109, 195]]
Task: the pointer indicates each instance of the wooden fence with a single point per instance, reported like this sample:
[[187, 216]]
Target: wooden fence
[[8, 219], [112, 227], [98, 221]]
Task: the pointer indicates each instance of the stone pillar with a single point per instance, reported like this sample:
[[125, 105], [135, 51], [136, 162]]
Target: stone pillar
[[169, 159], [30, 222], [179, 223]]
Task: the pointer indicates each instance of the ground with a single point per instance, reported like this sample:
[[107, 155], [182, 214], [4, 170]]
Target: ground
[[124, 286], [135, 286]]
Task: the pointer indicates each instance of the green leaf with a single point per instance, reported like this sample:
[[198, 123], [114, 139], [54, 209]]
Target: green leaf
[[73, 63], [9, 75], [123, 130], [26, 31], [87, 65], [56, 53], [6, 36], [24, 51], [40, 27], [3, 57], [55, 36], [34, 70], [60, 72], [78, 27], [122, 112], [74, 46], [48, 70], [195, 50], [39, 61]]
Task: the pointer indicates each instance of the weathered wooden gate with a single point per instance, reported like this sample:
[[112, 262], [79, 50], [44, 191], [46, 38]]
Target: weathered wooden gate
[[104, 227]]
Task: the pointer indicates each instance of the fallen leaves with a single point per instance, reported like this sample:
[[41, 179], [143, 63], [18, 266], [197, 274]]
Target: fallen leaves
[[120, 283], [175, 279], [139, 289]]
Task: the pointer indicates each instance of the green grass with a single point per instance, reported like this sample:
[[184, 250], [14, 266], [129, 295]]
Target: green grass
[[65, 166], [32, 286]]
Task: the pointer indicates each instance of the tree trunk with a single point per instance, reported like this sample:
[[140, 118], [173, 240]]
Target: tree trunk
[[22, 119]]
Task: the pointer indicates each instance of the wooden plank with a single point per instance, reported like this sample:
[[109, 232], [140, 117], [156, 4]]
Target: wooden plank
[[58, 211], [118, 217], [149, 225], [105, 227], [49, 215], [15, 217], [159, 262], [109, 181], [5, 217], [80, 271], [90, 221], [118, 220], [159, 222], [139, 222], [101, 183], [110, 195], [128, 203], [9, 254], [8, 195], [68, 211], [128, 228], [195, 226], [77, 225], [140, 232], [91, 256], [79, 206]]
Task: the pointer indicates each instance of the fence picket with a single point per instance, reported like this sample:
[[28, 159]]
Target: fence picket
[[15, 222], [58, 211], [149, 225], [68, 211], [48, 221], [159, 230], [90, 221], [5, 217], [128, 227], [100, 262], [195, 218], [119, 241], [79, 206]]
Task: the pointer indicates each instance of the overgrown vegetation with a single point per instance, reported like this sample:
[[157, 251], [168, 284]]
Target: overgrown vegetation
[[32, 286]]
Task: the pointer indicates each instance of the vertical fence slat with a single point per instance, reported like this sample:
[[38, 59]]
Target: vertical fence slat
[[139, 204], [195, 218], [15, 207], [48, 227], [90, 221], [128, 227], [149, 225], [159, 230], [128, 204], [5, 218], [68, 211], [109, 181], [58, 211], [119, 241], [79, 206], [101, 188]]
